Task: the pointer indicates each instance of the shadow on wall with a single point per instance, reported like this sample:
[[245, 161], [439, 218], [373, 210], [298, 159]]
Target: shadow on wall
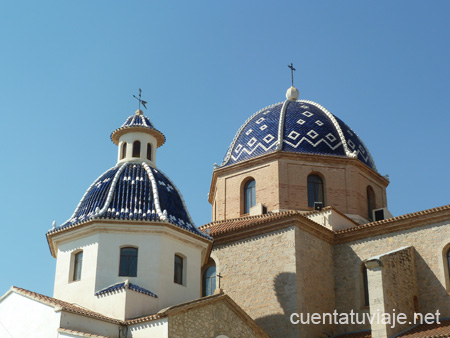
[[432, 295], [278, 325]]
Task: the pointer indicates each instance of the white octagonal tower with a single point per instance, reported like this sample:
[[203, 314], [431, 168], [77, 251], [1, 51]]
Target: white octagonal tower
[[130, 248]]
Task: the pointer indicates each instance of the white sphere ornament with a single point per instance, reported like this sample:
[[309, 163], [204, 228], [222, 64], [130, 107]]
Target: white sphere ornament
[[292, 93]]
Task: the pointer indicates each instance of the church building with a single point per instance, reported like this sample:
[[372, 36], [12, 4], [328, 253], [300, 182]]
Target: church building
[[300, 226]]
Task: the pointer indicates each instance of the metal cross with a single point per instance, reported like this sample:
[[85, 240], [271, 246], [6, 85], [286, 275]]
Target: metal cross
[[140, 100], [219, 276], [291, 66]]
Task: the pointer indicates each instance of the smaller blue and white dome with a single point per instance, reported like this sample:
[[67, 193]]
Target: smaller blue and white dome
[[140, 123], [297, 126], [133, 192]]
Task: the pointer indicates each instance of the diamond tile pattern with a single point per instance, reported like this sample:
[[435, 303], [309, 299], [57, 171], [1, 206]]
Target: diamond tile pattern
[[307, 129]]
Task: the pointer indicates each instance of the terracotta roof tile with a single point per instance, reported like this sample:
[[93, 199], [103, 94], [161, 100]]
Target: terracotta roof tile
[[81, 334], [64, 305], [395, 219], [229, 225], [364, 334], [434, 330]]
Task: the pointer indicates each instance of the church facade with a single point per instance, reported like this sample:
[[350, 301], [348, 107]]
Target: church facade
[[300, 227]]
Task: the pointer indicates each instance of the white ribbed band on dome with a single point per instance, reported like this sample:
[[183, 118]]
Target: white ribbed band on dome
[[336, 125], [281, 124], [155, 191], [111, 190], [82, 198], [230, 149], [179, 194]]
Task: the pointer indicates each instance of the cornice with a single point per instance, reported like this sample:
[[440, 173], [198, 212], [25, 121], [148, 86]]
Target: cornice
[[108, 225]]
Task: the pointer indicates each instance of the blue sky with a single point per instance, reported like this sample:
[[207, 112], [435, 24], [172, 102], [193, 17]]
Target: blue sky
[[68, 71]]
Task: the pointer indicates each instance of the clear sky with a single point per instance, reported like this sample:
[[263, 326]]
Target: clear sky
[[68, 70]]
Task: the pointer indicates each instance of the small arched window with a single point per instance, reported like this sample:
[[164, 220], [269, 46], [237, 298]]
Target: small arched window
[[365, 285], [315, 190], [136, 149], [178, 270], [128, 262], [249, 195], [448, 262], [123, 153], [209, 281], [77, 264], [149, 151], [370, 202]]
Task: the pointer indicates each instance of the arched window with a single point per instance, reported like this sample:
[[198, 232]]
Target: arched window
[[370, 202], [365, 285], [124, 151], [249, 195], [149, 151], [209, 281], [136, 149], [128, 262], [315, 190], [448, 263], [77, 264], [178, 270]]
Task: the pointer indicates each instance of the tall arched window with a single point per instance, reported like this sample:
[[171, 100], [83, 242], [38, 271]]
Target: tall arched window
[[128, 262], [136, 149], [149, 151], [123, 153], [77, 264], [365, 285], [315, 190], [209, 281], [249, 195], [370, 202]]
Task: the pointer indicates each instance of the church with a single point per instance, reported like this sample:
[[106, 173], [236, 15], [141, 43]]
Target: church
[[300, 227]]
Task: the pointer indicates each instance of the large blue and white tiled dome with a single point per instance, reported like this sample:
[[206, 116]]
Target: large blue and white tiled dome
[[296, 126]]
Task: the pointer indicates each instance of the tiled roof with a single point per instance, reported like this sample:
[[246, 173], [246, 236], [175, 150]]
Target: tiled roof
[[434, 330], [364, 334], [395, 219], [81, 334], [124, 285], [302, 127], [230, 225], [132, 191], [63, 305]]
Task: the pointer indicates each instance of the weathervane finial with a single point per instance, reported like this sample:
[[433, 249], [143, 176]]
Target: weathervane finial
[[291, 66], [140, 100]]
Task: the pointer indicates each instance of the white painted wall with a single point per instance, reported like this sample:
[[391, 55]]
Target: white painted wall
[[21, 316], [80, 323], [331, 220], [101, 243], [144, 138], [156, 328]]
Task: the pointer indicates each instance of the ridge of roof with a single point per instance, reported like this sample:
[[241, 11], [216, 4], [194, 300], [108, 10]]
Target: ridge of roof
[[247, 220], [395, 219], [81, 334], [66, 306]]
